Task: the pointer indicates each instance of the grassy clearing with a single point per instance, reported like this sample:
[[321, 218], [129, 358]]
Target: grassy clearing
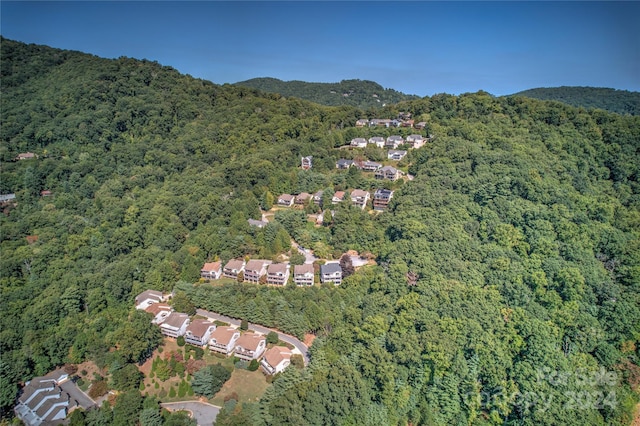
[[248, 385]]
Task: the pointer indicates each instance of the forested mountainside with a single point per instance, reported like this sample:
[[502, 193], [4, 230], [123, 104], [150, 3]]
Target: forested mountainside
[[358, 93], [507, 283], [618, 101]]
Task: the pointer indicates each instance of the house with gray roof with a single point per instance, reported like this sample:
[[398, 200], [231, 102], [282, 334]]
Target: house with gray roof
[[331, 272]]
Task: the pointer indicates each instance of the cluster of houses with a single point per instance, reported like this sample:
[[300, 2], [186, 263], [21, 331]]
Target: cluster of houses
[[380, 172], [258, 271], [391, 142], [403, 120], [226, 340], [47, 400], [359, 197]]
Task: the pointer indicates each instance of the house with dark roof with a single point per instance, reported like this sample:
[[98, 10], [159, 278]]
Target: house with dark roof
[[275, 360], [44, 401], [250, 346], [394, 141], [331, 272], [211, 271], [257, 223], [381, 199], [199, 332], [317, 197], [343, 164], [389, 173]]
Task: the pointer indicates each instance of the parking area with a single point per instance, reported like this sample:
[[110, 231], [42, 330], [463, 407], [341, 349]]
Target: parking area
[[205, 414]]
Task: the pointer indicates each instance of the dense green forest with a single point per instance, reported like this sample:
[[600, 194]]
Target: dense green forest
[[507, 284], [362, 94], [618, 101]]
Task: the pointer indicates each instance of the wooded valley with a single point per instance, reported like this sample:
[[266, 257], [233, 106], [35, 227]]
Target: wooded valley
[[507, 284]]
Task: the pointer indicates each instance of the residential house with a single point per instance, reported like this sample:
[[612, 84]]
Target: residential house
[[383, 122], [149, 297], [255, 269], [286, 200], [223, 340], [250, 346], [199, 332], [160, 312], [7, 199], [395, 154], [211, 271], [175, 324], [338, 197], [26, 156], [306, 162], [46, 193], [416, 141], [302, 198], [303, 274], [377, 141], [233, 268], [317, 197], [370, 166], [275, 360], [381, 198], [257, 223], [388, 172], [331, 272], [407, 123], [44, 402], [278, 273], [421, 125], [359, 198], [394, 141], [359, 142], [343, 164], [362, 122]]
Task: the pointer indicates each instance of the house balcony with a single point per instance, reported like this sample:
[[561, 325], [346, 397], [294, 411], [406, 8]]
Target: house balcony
[[245, 354]]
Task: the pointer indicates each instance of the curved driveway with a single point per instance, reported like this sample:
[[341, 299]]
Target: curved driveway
[[260, 329], [205, 414]]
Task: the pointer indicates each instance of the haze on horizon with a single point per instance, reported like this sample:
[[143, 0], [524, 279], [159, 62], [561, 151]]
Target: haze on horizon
[[420, 48]]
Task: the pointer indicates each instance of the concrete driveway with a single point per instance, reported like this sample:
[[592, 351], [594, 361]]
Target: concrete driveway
[[205, 414]]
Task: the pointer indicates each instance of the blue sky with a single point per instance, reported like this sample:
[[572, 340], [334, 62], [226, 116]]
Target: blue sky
[[416, 47]]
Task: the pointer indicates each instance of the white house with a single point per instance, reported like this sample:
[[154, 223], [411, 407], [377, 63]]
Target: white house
[[416, 141], [331, 272], [160, 312], [255, 269], [377, 141], [276, 359], [359, 198], [303, 274], [44, 402], [148, 298], [233, 268], [359, 142], [250, 346], [175, 324], [199, 332], [278, 273], [211, 271], [223, 340]]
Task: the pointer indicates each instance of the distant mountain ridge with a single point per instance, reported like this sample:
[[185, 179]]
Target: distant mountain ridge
[[613, 100], [359, 93]]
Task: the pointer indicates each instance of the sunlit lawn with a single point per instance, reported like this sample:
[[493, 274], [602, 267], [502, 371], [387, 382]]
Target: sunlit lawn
[[248, 385]]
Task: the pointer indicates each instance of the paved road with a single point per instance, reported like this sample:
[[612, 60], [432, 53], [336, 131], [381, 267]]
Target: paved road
[[205, 414], [260, 329], [308, 255], [76, 393]]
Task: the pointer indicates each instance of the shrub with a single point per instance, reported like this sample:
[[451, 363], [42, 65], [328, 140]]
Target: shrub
[[253, 365], [272, 337], [180, 341], [244, 325], [233, 395], [172, 392], [83, 372], [98, 388]]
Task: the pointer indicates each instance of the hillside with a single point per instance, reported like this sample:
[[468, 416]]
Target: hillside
[[506, 288], [358, 93], [618, 101]]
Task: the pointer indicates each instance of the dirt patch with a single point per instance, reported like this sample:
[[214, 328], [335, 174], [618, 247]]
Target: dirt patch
[[90, 368], [308, 339]]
